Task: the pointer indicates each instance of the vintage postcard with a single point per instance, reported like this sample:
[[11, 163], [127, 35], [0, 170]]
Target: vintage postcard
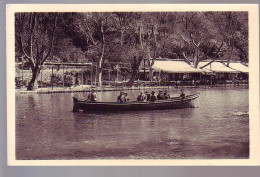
[[133, 84]]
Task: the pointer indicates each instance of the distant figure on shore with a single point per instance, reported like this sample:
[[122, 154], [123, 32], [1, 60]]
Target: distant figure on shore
[[121, 97], [182, 95], [77, 81], [160, 96], [141, 97], [92, 97], [148, 96], [126, 98], [166, 95], [153, 97]]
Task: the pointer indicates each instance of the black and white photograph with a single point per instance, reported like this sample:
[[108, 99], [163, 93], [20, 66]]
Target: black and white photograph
[[117, 85]]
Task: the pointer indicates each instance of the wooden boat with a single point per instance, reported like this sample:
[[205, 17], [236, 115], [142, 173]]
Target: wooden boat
[[173, 103]]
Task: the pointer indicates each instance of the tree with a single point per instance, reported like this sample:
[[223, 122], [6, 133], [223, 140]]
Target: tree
[[200, 34], [95, 30], [129, 46], [235, 33], [34, 34], [147, 29]]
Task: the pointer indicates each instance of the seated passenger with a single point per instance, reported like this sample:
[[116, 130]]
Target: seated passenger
[[153, 97], [166, 95], [182, 95], [121, 97], [160, 96], [126, 98], [141, 97], [148, 96], [92, 97]]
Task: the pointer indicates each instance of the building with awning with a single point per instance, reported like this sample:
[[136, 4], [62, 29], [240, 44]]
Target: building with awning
[[171, 70], [239, 67], [216, 67], [220, 72], [172, 66]]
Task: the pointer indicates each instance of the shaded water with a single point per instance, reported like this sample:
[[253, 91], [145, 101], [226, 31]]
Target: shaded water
[[218, 127]]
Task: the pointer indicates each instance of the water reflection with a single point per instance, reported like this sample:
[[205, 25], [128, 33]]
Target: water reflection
[[31, 103]]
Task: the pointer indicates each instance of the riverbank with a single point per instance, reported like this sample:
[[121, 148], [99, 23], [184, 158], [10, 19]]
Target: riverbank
[[85, 88], [88, 88]]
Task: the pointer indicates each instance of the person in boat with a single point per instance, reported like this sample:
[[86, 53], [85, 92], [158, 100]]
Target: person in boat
[[126, 98], [160, 96], [166, 95], [182, 95], [121, 97], [153, 96], [148, 95], [141, 97], [92, 97]]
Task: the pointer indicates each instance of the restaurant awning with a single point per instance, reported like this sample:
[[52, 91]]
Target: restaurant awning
[[217, 67], [175, 67], [239, 67]]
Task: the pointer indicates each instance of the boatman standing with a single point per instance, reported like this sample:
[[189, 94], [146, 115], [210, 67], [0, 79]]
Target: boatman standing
[[182, 95], [92, 97]]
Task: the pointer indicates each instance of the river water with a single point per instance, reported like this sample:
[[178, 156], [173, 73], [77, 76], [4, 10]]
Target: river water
[[216, 128]]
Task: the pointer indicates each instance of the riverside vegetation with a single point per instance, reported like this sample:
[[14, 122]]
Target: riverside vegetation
[[105, 38]]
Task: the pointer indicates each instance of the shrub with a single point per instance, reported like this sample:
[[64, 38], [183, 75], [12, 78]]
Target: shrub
[[68, 80]]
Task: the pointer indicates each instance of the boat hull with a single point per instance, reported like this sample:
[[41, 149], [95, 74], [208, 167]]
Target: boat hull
[[174, 103]]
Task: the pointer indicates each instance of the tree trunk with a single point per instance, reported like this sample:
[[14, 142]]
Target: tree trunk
[[196, 58], [150, 64], [101, 54], [186, 58], [33, 84], [99, 70], [231, 54], [99, 74], [135, 68], [150, 73], [133, 77], [100, 77], [154, 55]]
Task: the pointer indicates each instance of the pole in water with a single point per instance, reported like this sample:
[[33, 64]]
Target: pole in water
[[63, 78], [52, 78], [41, 77]]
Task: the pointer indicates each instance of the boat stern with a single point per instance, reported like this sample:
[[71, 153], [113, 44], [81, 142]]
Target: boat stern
[[75, 104]]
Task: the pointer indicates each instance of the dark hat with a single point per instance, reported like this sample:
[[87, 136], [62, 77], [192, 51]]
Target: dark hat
[[153, 91]]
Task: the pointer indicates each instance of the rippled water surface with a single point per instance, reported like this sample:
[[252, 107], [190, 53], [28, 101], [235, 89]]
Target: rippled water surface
[[218, 127]]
